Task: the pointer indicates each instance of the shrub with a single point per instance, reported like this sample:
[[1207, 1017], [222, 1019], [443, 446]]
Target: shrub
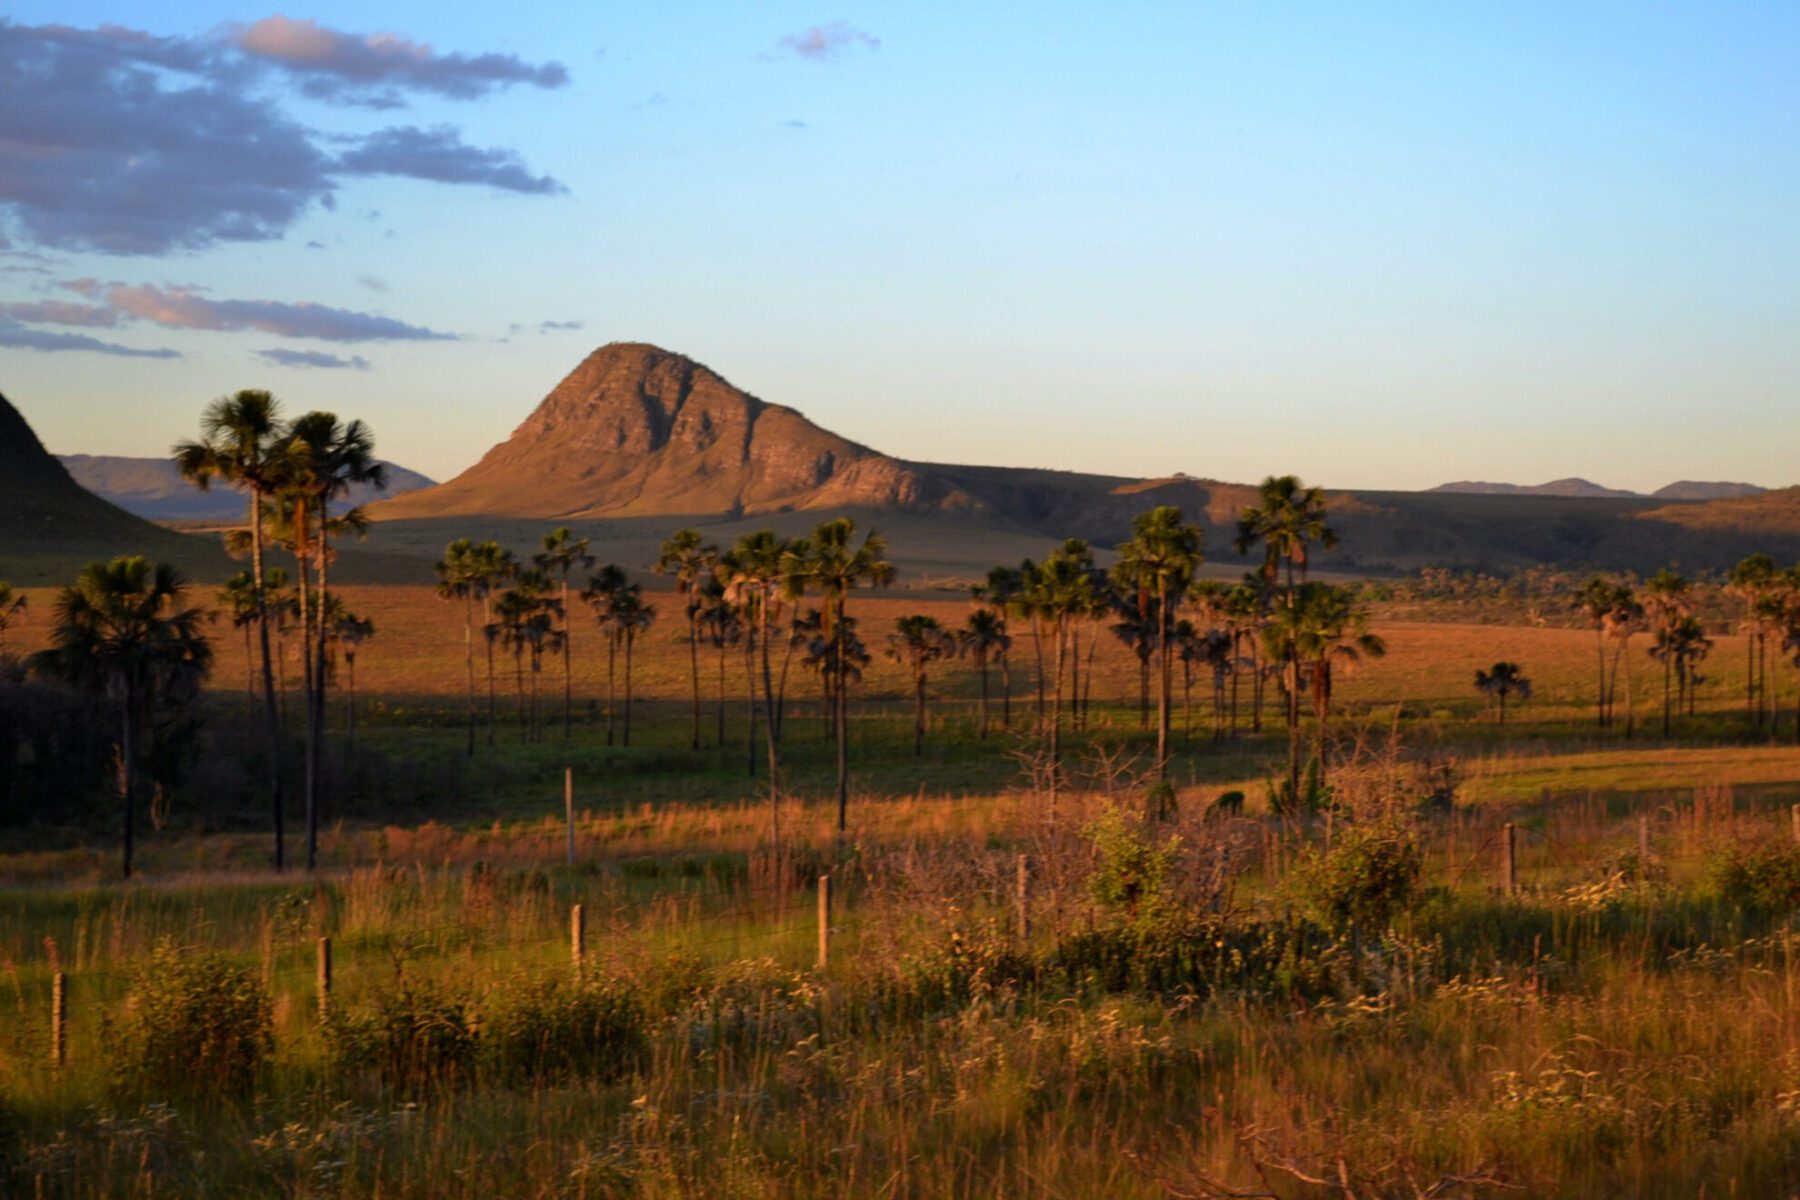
[[1764, 879], [535, 1030], [417, 1037], [1132, 876], [1367, 879], [198, 1026]]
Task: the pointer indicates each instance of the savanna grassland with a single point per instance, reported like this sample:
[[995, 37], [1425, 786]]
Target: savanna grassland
[[1352, 1000]]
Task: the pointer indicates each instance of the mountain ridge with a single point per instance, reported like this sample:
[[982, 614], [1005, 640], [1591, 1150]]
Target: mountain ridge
[[154, 489]]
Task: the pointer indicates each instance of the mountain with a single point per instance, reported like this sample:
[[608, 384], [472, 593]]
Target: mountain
[[53, 524], [638, 431], [153, 488], [1556, 487], [1690, 489]]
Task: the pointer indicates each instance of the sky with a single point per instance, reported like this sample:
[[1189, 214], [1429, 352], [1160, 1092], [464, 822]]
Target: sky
[[1377, 245]]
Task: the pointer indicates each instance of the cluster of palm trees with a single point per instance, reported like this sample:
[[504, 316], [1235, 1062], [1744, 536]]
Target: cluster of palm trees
[[294, 473], [1663, 607]]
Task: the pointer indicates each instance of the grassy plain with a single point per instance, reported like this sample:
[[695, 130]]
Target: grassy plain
[[1618, 1026]]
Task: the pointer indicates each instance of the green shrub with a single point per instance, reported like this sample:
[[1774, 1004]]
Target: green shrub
[[198, 1026], [1365, 881], [534, 1030], [418, 1037], [1764, 879], [1132, 876]]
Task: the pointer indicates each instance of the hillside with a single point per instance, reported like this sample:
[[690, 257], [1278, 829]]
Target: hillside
[[1693, 489], [53, 524], [1556, 487], [154, 489]]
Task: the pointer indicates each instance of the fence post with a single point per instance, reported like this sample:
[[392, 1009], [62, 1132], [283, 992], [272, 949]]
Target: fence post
[[1643, 842], [59, 1018], [1022, 897], [324, 979], [1795, 812], [578, 938], [569, 808], [824, 920], [1509, 858]]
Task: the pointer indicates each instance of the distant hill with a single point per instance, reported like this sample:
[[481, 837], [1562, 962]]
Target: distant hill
[[153, 488], [1690, 489], [1556, 487], [53, 525]]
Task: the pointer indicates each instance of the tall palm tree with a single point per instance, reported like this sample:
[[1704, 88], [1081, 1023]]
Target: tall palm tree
[[1030, 602], [561, 554], [345, 632], [691, 561], [1159, 563], [984, 637], [1680, 645], [1324, 629], [997, 592], [1751, 580], [757, 582], [720, 623], [835, 566], [1666, 605], [1620, 623], [327, 458], [459, 579], [603, 587], [122, 632], [1597, 599], [239, 600], [917, 642], [1136, 631], [237, 440], [630, 616], [1503, 680], [1287, 519], [490, 568]]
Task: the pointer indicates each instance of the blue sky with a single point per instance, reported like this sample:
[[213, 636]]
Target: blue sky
[[1378, 245]]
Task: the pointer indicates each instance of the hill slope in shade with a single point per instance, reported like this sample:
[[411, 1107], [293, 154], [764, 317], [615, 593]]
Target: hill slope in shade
[[1693, 489], [53, 524], [153, 488]]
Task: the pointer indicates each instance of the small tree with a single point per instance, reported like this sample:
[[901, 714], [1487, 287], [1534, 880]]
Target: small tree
[[1504, 680], [918, 641]]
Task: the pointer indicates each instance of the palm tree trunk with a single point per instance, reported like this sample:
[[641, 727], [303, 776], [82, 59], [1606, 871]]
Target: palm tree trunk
[[630, 637], [694, 671], [918, 710], [127, 773], [469, 656], [982, 665], [750, 686], [519, 690], [612, 655], [1037, 643], [1074, 673], [1005, 691], [272, 704], [487, 625], [568, 663], [1666, 674], [1600, 702], [771, 730], [1163, 683], [843, 731], [721, 713]]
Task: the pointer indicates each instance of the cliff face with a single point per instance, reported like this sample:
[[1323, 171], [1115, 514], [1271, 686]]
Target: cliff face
[[638, 431]]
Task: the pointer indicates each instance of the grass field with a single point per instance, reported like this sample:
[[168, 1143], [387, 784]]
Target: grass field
[[1621, 1023]]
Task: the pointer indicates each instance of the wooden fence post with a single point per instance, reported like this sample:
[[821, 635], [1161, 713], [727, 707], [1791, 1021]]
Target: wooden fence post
[[1509, 858], [578, 938], [324, 979], [824, 920], [1022, 897], [59, 1018], [1643, 842], [569, 808], [1795, 812]]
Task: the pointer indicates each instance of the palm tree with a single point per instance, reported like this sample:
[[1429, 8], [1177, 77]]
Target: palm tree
[[1505, 679], [1246, 613], [1667, 605], [1680, 645], [1324, 628], [1620, 623], [527, 618], [757, 582], [490, 567], [983, 636], [604, 586], [719, 621], [327, 458], [121, 632], [13, 611], [459, 578], [561, 554], [1159, 562], [237, 440], [1136, 631], [630, 616], [1029, 601], [690, 560], [1287, 519], [345, 632], [998, 592], [239, 601], [831, 563], [1751, 580], [918, 641], [1597, 599]]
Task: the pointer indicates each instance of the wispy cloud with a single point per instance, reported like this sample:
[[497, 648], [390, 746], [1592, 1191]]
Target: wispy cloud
[[20, 337], [61, 312], [313, 359], [185, 308], [560, 326], [822, 43], [372, 69], [441, 155]]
